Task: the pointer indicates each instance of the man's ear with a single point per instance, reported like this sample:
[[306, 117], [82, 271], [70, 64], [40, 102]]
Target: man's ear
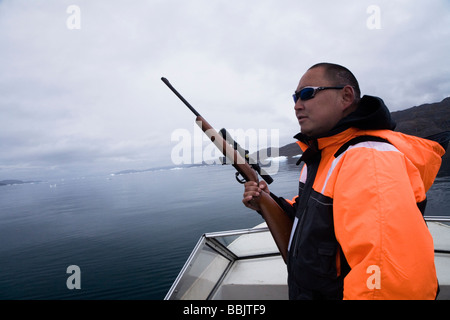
[[347, 99]]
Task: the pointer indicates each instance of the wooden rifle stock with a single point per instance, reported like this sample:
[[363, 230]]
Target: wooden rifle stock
[[277, 221]]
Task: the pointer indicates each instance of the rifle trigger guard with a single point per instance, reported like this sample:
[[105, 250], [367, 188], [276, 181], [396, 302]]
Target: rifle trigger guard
[[241, 181]]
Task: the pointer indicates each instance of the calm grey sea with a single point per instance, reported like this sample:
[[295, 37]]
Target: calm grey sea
[[129, 234]]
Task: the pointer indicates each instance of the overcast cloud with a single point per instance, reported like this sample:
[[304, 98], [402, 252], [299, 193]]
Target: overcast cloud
[[79, 101]]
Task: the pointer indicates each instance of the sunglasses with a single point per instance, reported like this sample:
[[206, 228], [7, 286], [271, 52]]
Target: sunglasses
[[309, 92]]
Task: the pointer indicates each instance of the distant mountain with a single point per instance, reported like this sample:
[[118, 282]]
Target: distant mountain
[[7, 182], [422, 121], [10, 182], [171, 167]]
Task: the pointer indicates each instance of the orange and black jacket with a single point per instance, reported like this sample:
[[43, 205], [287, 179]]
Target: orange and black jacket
[[358, 228]]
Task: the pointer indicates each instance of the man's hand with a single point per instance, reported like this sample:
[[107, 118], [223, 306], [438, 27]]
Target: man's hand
[[252, 192]]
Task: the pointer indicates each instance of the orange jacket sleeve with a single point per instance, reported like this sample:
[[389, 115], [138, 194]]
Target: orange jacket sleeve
[[380, 228]]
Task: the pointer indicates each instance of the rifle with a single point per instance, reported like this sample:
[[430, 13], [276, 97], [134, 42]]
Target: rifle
[[277, 221], [245, 154]]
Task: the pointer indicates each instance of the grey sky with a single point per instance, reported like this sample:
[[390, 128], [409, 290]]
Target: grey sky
[[78, 101]]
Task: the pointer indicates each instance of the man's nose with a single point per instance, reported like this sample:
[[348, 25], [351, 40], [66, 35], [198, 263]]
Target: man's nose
[[299, 105]]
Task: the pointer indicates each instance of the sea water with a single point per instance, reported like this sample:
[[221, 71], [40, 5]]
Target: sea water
[[129, 234]]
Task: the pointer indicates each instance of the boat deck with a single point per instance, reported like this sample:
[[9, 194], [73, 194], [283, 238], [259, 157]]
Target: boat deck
[[246, 265], [247, 280]]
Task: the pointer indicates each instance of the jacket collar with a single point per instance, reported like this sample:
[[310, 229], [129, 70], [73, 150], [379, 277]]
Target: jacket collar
[[321, 143]]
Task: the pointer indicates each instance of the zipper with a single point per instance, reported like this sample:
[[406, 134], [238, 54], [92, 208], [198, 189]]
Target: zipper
[[312, 167], [297, 233]]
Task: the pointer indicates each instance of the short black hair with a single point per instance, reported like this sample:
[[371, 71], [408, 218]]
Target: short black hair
[[340, 75]]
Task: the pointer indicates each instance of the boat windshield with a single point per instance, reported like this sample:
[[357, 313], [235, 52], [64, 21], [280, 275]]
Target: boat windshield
[[214, 255]]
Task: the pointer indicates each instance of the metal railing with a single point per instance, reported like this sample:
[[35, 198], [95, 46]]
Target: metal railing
[[437, 218]]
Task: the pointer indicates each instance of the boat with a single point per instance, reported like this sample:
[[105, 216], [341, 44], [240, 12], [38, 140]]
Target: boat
[[246, 265]]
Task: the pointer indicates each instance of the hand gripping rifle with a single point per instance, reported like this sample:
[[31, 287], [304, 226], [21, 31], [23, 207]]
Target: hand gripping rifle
[[278, 222]]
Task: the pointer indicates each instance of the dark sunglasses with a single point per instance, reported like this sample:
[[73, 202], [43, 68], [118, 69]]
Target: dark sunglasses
[[309, 92]]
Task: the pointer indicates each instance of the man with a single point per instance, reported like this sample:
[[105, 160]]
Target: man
[[358, 230]]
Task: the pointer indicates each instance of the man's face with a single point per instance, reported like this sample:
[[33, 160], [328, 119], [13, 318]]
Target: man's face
[[320, 114]]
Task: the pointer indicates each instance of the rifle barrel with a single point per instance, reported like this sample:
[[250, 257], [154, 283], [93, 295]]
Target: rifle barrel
[[180, 96]]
